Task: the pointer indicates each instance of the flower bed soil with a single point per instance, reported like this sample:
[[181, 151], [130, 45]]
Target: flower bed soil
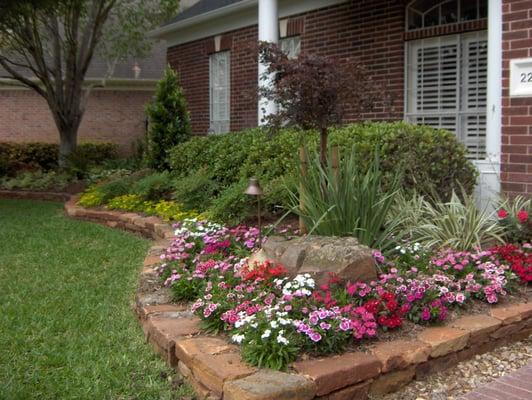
[[215, 369]]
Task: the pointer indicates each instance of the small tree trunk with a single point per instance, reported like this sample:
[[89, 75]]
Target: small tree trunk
[[324, 133], [304, 166], [335, 161]]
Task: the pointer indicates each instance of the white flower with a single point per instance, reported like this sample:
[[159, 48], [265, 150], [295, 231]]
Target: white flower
[[281, 339], [274, 324], [238, 338], [266, 334]]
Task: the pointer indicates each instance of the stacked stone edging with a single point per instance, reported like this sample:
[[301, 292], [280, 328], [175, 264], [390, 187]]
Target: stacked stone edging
[[215, 369], [34, 195]]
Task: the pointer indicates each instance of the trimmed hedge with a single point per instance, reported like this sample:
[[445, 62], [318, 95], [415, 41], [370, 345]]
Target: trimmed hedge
[[433, 160], [45, 156]]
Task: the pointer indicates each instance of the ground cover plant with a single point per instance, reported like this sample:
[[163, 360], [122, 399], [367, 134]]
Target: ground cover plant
[[275, 317], [67, 327]]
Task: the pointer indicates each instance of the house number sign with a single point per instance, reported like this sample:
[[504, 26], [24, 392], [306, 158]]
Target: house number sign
[[521, 77]]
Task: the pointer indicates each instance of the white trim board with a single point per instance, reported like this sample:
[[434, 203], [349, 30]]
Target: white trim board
[[229, 18]]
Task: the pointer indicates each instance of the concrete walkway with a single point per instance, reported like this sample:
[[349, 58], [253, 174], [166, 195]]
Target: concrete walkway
[[514, 386]]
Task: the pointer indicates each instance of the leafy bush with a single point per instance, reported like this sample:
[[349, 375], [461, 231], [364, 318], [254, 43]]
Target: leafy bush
[[44, 156], [195, 191], [232, 205], [348, 202], [456, 224], [92, 197], [87, 155], [37, 180], [153, 187], [169, 122], [432, 160]]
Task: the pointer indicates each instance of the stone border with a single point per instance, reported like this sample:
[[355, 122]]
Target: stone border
[[31, 195], [215, 369]]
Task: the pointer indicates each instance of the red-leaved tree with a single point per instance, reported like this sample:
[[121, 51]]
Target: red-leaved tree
[[314, 92]]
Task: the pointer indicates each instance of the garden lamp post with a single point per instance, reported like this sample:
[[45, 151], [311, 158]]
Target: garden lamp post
[[254, 189]]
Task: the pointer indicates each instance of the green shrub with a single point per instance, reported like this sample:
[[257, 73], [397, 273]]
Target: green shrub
[[87, 155], [37, 180], [169, 121], [154, 186], [232, 206], [44, 156], [195, 191], [433, 160]]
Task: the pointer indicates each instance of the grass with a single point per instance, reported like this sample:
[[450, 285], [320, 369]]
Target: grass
[[67, 330]]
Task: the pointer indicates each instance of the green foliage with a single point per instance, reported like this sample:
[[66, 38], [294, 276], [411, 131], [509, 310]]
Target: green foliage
[[88, 155], [516, 219], [433, 160], [155, 186], [20, 156], [195, 191], [456, 224], [351, 201], [167, 210], [232, 206], [169, 122], [37, 180]]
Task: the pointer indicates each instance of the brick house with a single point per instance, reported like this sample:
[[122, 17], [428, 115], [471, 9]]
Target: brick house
[[445, 62], [115, 113]]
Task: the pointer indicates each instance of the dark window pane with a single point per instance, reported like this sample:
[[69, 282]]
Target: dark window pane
[[415, 20], [483, 9], [469, 10], [449, 12], [432, 18]]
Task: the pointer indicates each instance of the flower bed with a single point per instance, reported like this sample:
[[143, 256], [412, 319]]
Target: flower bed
[[215, 367], [276, 318]]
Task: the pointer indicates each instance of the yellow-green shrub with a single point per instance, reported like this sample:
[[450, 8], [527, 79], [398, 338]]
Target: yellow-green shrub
[[91, 198]]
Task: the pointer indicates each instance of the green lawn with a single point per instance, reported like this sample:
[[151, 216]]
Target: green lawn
[[66, 327]]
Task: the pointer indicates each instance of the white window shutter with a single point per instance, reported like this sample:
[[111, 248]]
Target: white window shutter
[[220, 92], [447, 87]]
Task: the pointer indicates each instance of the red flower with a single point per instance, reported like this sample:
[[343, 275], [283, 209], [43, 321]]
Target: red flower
[[502, 213], [522, 216]]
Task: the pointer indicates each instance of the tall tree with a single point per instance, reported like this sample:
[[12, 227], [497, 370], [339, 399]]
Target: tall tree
[[48, 46]]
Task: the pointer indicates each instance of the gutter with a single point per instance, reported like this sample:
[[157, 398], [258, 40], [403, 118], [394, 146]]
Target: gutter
[[163, 31]]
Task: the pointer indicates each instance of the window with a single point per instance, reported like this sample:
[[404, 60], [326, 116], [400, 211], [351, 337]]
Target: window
[[220, 92], [447, 86], [291, 46], [427, 13]]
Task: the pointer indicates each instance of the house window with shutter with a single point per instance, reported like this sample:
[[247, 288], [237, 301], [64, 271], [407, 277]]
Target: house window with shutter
[[220, 92], [447, 86], [291, 46]]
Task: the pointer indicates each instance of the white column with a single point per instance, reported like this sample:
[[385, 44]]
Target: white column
[[268, 32], [490, 168]]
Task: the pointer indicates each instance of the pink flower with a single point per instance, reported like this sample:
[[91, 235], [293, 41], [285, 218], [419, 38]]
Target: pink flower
[[425, 314], [460, 298], [315, 337], [522, 216]]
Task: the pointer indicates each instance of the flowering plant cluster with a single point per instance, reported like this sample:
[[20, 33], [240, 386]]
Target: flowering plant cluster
[[517, 224], [518, 258], [275, 318]]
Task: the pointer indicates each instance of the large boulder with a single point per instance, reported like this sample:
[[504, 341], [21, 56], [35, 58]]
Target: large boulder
[[319, 255]]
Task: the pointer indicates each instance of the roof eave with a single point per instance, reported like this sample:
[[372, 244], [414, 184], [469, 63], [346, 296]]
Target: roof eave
[[165, 30]]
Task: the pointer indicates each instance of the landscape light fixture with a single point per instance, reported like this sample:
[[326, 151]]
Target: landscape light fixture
[[254, 189]]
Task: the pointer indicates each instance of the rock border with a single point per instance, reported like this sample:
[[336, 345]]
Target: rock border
[[215, 369]]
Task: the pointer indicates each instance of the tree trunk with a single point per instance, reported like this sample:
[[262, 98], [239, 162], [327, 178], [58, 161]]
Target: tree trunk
[[324, 133], [68, 144]]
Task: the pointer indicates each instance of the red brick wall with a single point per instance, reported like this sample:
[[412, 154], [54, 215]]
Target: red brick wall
[[111, 116], [516, 173], [369, 30]]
